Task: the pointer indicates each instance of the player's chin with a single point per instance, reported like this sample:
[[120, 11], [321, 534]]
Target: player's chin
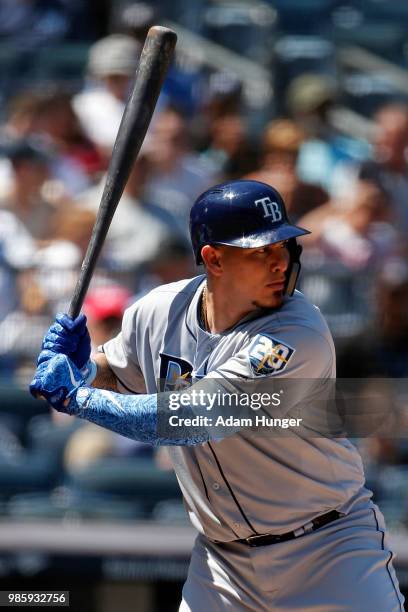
[[271, 300]]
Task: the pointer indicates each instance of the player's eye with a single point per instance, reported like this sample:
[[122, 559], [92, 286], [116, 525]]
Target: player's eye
[[267, 249], [278, 245]]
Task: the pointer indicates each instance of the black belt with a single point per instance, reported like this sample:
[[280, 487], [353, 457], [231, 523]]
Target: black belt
[[266, 539]]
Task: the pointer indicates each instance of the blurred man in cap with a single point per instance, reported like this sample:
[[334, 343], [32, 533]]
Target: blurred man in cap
[[112, 64]]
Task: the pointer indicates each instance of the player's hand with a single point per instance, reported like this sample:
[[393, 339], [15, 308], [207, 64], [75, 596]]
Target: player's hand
[[69, 337], [57, 379]]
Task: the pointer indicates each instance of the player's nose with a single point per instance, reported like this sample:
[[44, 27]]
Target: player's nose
[[279, 260]]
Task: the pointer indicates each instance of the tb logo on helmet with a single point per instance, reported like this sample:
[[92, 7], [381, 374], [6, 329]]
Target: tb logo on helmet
[[270, 208]]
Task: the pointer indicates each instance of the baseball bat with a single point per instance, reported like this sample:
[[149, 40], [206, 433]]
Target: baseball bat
[[153, 65]]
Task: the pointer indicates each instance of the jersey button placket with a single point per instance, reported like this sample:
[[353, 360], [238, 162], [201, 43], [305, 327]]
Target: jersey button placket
[[216, 486]]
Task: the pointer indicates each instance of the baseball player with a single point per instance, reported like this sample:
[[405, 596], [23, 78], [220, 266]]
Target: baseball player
[[285, 522]]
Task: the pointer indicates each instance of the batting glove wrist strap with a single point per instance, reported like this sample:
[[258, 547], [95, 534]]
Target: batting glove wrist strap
[[88, 372], [57, 380]]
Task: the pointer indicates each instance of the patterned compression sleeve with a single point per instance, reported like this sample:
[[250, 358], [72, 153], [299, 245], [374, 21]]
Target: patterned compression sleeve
[[133, 416]]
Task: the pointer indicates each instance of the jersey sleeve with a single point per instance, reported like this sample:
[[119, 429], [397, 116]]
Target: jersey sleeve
[[286, 374], [122, 355], [298, 352], [270, 375]]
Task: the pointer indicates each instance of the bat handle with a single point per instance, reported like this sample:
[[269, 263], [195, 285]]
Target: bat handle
[[78, 297], [85, 276]]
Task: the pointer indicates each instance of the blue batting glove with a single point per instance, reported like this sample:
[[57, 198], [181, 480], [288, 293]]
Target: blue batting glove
[[57, 380], [70, 337]]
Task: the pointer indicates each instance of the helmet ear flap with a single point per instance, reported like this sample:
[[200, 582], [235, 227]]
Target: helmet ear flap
[[293, 270], [198, 258]]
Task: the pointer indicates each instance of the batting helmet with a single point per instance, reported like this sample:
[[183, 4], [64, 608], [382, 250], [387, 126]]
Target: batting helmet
[[246, 214]]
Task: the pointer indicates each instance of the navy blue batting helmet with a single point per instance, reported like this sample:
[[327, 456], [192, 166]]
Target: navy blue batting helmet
[[246, 214]]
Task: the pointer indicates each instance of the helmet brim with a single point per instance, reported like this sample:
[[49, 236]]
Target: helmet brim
[[285, 231]]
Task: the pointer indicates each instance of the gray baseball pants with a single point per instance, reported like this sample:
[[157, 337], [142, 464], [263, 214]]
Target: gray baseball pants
[[343, 566]]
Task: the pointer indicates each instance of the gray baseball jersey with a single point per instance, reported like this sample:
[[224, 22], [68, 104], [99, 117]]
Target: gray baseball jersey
[[242, 485]]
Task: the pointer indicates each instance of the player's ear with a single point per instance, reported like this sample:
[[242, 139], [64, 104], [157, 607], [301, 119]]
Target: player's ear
[[212, 257]]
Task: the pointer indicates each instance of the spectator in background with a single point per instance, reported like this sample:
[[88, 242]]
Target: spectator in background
[[78, 159], [17, 250], [382, 352], [44, 285], [311, 100], [178, 176], [389, 169], [174, 262], [23, 328], [112, 65], [138, 227], [224, 95], [104, 307], [26, 199], [48, 116], [228, 148], [25, 218], [281, 143], [182, 85], [22, 115], [358, 232], [350, 239], [20, 124], [57, 264]]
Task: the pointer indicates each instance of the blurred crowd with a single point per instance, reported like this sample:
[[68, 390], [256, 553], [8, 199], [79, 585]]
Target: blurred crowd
[[55, 145]]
